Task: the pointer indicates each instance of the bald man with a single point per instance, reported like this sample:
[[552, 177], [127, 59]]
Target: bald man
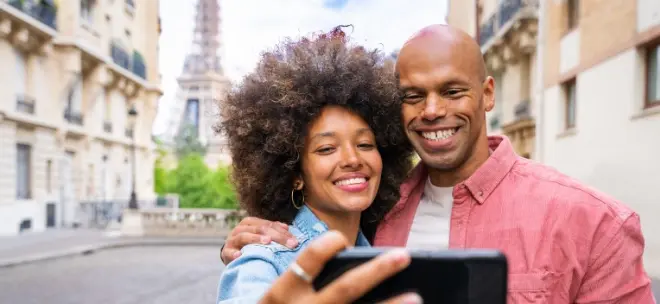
[[565, 242]]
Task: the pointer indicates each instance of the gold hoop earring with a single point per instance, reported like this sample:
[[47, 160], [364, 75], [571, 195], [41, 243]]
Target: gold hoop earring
[[293, 200]]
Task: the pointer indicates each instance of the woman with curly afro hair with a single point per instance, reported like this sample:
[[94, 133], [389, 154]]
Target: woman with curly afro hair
[[316, 143]]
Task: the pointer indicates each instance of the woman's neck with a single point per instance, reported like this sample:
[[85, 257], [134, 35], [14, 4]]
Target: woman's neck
[[348, 223]]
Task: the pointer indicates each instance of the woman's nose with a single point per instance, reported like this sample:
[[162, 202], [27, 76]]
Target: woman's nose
[[350, 158]]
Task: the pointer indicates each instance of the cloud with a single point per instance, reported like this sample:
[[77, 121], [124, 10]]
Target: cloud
[[250, 27]]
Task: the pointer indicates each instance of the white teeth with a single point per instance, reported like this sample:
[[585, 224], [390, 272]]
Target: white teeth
[[439, 135], [351, 181]]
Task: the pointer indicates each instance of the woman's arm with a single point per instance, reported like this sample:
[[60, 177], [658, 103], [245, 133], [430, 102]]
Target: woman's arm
[[248, 277]]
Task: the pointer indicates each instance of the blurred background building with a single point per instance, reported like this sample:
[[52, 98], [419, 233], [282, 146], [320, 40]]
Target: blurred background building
[[79, 90], [591, 106]]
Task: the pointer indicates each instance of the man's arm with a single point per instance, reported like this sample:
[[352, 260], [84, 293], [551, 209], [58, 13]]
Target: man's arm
[[616, 272], [252, 230]]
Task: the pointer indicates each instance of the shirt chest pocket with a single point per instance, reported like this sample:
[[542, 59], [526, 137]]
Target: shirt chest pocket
[[527, 288]]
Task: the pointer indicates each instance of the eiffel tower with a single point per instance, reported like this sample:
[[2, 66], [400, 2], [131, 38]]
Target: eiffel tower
[[202, 86]]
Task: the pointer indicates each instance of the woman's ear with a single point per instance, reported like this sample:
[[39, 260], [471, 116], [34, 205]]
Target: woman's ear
[[298, 183]]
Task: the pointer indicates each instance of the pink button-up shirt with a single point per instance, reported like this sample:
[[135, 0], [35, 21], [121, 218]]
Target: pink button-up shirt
[[565, 242]]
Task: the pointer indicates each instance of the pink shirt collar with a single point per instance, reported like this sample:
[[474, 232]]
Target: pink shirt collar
[[480, 184]]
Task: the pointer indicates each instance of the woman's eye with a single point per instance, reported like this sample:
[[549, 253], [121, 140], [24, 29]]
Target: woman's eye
[[366, 146], [325, 150]]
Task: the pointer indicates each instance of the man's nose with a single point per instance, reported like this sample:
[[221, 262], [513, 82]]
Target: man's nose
[[435, 107]]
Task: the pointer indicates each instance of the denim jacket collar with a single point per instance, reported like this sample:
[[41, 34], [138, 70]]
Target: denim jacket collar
[[312, 227]]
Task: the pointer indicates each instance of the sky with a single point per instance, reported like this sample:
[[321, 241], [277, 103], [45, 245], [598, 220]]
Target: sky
[[250, 27]]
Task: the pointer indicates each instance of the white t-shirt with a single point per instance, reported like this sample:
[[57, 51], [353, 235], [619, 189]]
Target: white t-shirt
[[430, 227]]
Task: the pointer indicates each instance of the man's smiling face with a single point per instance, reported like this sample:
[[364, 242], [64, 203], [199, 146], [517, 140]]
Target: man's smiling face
[[445, 97]]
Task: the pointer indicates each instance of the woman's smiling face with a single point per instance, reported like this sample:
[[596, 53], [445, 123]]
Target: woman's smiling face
[[341, 165]]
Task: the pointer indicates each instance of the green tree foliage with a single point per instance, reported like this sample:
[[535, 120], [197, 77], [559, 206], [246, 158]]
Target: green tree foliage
[[196, 185]]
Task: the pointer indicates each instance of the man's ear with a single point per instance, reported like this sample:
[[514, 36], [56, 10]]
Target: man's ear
[[489, 94]]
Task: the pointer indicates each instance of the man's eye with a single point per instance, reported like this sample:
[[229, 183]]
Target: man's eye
[[366, 146]]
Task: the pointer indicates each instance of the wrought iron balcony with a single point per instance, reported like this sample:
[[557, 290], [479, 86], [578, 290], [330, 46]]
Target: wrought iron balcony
[[128, 132], [120, 56], [43, 10], [73, 117], [139, 68], [25, 104], [107, 127], [506, 12], [523, 110]]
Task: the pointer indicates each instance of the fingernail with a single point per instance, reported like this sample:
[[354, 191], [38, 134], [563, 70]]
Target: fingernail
[[236, 254], [291, 243], [400, 257], [413, 299], [265, 240]]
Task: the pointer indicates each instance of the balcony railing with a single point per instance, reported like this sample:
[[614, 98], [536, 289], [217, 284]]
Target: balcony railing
[[506, 12], [120, 56], [73, 117], [128, 132], [25, 104], [107, 127], [138, 65], [42, 10], [522, 110]]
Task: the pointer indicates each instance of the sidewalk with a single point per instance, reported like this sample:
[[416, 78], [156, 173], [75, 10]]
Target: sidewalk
[[58, 243]]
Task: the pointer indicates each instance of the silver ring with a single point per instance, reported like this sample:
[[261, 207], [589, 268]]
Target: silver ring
[[301, 273]]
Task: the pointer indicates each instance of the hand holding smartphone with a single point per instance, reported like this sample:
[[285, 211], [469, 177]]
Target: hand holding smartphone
[[447, 276]]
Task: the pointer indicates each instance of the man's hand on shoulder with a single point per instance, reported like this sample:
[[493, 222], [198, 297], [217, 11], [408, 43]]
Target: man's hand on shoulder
[[252, 230]]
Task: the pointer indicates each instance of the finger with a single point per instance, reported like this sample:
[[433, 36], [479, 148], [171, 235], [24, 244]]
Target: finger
[[311, 260], [279, 235], [243, 229], [408, 298], [251, 221], [356, 282], [246, 238], [229, 255]]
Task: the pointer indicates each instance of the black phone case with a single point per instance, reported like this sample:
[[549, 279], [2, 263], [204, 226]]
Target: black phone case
[[448, 276]]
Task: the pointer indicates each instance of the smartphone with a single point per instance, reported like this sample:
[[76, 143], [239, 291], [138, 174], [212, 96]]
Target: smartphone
[[447, 276]]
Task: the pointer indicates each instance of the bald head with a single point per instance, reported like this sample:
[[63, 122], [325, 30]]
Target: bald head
[[440, 38]]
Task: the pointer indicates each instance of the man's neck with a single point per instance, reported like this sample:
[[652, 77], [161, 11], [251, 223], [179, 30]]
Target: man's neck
[[348, 223], [442, 178]]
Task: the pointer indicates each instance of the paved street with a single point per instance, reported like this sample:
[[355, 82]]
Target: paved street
[[151, 274], [125, 275]]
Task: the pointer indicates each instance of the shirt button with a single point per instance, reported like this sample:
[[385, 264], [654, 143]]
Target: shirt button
[[481, 193]]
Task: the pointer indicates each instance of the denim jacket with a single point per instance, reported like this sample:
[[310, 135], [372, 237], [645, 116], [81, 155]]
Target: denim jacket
[[248, 277]]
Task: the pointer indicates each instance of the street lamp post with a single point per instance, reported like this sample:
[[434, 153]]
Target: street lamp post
[[132, 117]]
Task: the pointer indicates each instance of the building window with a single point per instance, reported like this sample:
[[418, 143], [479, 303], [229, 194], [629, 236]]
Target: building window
[[652, 76], [49, 176], [21, 72], [87, 10], [23, 166], [570, 104], [572, 13]]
